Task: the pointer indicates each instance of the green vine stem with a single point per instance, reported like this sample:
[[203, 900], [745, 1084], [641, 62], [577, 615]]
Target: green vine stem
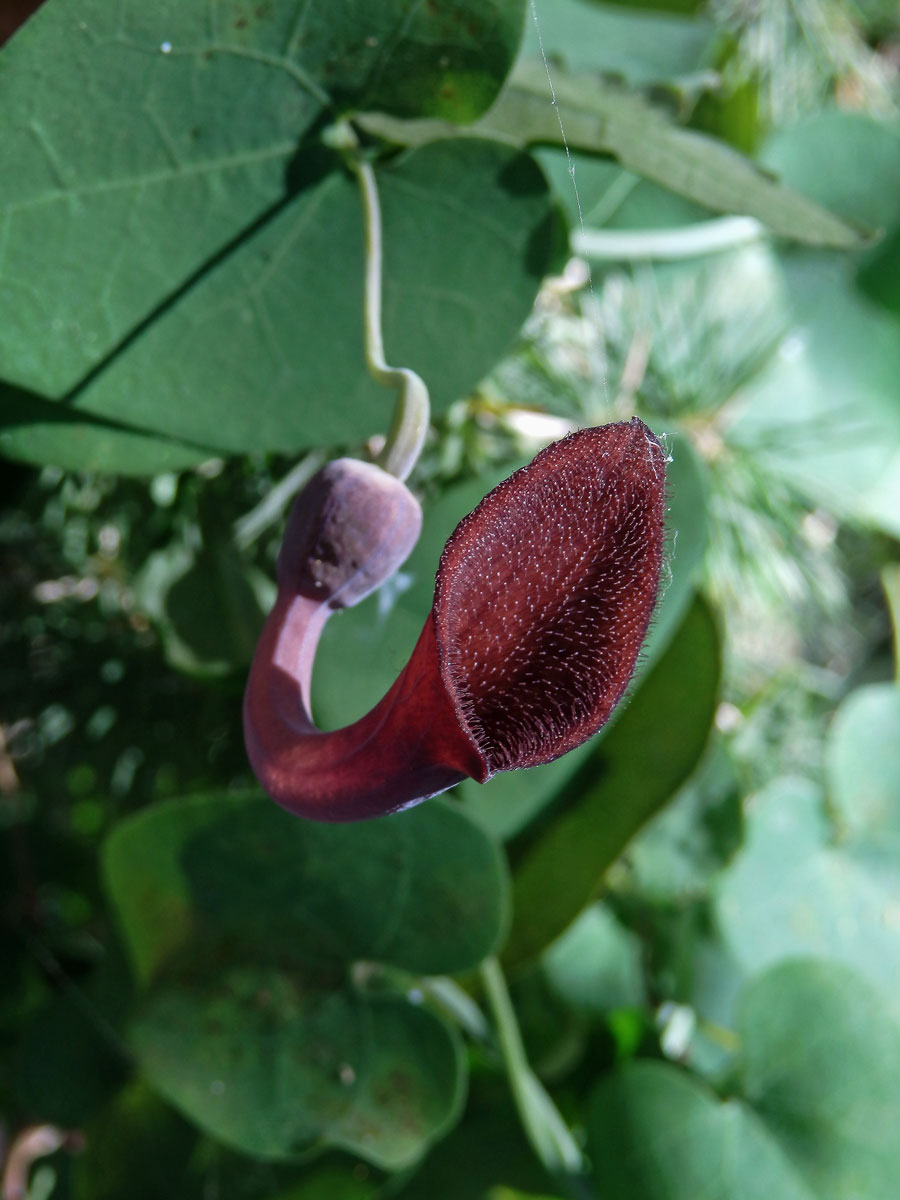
[[890, 581], [409, 425], [548, 1133]]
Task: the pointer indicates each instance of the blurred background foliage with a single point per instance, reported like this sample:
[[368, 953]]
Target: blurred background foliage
[[699, 912]]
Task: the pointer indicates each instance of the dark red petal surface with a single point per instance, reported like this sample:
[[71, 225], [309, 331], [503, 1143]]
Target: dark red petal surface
[[544, 594]]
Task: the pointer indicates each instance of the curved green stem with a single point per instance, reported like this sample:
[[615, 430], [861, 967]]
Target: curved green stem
[[409, 426], [546, 1130]]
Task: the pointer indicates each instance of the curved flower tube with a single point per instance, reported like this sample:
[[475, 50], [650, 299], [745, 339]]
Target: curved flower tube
[[542, 601]]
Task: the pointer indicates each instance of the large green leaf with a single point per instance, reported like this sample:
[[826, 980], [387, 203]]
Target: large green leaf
[[140, 140], [264, 350], [242, 923], [793, 891], [815, 1118], [183, 258], [559, 863]]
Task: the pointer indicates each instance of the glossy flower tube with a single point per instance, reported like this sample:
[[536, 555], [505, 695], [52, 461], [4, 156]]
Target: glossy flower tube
[[542, 601]]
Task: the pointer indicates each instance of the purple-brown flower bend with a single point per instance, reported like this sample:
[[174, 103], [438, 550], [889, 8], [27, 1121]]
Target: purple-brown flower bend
[[543, 598]]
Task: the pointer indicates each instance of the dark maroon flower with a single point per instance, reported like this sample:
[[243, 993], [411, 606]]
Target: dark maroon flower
[[542, 602]]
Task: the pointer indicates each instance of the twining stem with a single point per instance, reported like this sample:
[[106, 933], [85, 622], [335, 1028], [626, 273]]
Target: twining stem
[[546, 1130], [409, 425]]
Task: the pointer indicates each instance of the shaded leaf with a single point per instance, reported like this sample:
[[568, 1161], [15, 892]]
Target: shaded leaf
[[234, 875], [650, 751], [678, 853], [488, 1149], [43, 431], [596, 965]]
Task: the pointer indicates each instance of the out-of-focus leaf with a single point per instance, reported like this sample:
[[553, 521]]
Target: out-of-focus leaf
[[245, 921], [236, 875], [136, 1147], [678, 853], [863, 765], [814, 1118], [791, 891], [655, 744], [509, 800], [839, 439], [600, 118], [846, 161], [640, 47], [596, 965]]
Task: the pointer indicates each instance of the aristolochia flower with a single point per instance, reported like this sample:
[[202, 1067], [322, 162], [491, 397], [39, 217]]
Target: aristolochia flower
[[542, 601]]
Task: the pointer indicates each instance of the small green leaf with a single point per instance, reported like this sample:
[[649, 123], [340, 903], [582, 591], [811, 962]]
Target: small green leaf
[[656, 1133], [815, 1115], [275, 1068], [650, 751]]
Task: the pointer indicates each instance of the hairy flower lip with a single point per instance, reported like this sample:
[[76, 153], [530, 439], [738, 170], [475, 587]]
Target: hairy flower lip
[[542, 600], [567, 493]]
